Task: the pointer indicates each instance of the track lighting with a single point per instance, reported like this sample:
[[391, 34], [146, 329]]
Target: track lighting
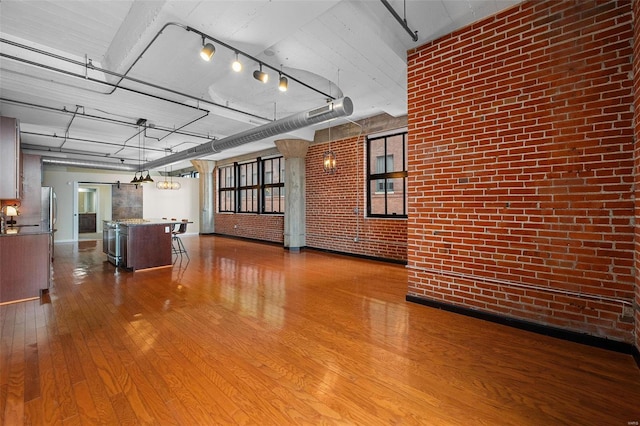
[[261, 76], [208, 50], [236, 66], [284, 83]]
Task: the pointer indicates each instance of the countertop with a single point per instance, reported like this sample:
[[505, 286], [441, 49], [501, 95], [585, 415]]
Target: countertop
[[24, 230], [143, 222]]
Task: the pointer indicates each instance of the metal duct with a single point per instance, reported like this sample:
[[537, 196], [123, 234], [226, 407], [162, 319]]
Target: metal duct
[[88, 164], [337, 108], [334, 109]]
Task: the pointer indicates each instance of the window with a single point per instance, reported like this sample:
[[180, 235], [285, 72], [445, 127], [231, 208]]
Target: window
[[273, 184], [248, 187], [384, 163], [387, 176], [253, 187], [227, 192]]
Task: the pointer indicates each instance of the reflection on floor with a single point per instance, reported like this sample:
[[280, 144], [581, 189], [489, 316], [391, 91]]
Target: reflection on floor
[[250, 333]]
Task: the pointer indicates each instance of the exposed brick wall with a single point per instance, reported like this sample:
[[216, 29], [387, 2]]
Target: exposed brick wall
[[521, 166], [636, 73], [263, 227], [332, 221], [331, 200]]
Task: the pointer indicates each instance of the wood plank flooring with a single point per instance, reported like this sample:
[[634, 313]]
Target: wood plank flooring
[[248, 333]]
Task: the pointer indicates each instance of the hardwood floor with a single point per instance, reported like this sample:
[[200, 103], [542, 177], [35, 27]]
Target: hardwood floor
[[248, 333]]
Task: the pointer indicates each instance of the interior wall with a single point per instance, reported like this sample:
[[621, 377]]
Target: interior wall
[[336, 205], [521, 167], [179, 204], [262, 227]]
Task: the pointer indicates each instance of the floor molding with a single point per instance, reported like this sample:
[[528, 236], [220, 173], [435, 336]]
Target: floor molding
[[585, 339]]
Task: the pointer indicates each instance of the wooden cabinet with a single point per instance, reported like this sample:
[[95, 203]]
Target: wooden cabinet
[[86, 222], [10, 182], [145, 246], [25, 265]]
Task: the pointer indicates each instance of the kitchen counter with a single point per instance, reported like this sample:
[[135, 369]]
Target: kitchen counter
[[143, 222], [138, 243], [24, 230]]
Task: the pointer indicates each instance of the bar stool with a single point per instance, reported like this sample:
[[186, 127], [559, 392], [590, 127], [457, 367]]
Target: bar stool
[[177, 246]]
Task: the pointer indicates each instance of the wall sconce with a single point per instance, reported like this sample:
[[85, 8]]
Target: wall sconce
[[329, 162], [208, 50], [261, 76]]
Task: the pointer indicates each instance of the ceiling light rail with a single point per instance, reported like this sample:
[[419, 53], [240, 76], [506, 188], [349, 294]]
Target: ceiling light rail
[[237, 65], [260, 63]]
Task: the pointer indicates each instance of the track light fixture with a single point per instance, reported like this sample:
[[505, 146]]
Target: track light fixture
[[208, 50], [237, 65], [283, 85], [261, 76]]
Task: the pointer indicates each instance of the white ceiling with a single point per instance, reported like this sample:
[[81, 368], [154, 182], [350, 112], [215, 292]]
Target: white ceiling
[[340, 48]]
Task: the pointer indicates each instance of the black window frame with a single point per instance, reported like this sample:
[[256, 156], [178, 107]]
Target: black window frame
[[227, 188], [254, 183], [387, 187]]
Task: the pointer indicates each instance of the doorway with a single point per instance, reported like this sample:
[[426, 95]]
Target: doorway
[[93, 206]]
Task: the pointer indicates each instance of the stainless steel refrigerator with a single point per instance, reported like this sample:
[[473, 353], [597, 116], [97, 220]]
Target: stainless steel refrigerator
[[48, 214]]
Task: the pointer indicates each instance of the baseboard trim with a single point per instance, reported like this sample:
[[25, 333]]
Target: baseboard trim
[[585, 339]]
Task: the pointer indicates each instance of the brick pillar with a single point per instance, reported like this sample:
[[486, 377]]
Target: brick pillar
[[294, 152], [207, 194]]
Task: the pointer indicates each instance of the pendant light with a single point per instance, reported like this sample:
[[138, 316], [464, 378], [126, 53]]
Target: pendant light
[[329, 161]]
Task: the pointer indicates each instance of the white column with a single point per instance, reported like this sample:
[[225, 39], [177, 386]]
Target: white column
[[207, 194], [294, 152]]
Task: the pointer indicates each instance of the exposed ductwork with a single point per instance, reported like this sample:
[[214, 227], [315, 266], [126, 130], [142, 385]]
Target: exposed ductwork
[[89, 164], [337, 108]]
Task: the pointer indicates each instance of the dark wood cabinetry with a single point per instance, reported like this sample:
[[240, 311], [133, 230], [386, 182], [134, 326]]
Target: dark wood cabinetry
[[86, 222], [24, 266], [10, 183], [145, 246]]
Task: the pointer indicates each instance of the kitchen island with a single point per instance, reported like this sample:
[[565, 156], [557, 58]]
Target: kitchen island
[[25, 262], [138, 243]]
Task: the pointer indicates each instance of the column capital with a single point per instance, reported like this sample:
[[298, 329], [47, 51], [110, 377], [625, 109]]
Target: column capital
[[292, 148], [204, 166]]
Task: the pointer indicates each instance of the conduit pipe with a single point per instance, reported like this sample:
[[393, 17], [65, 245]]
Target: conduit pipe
[[505, 283], [338, 108], [106, 83], [106, 119], [403, 22]]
